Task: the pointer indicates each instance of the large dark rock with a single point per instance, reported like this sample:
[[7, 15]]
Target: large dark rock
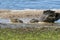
[[57, 16], [50, 16]]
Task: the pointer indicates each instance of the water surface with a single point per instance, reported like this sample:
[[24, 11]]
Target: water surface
[[29, 4]]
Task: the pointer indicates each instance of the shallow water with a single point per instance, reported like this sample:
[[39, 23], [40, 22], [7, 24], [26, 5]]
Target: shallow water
[[29, 4], [25, 20]]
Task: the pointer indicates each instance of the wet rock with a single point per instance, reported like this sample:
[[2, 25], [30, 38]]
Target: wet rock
[[14, 20], [20, 21], [34, 21]]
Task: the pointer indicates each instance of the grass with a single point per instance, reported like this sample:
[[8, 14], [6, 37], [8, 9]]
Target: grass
[[29, 34]]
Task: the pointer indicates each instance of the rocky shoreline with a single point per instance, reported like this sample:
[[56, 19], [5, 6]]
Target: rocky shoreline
[[25, 14]]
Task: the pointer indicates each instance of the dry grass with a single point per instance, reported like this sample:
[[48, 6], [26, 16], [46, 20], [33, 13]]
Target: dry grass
[[20, 13]]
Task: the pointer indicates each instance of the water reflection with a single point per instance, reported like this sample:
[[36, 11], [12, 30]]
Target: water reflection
[[4, 20]]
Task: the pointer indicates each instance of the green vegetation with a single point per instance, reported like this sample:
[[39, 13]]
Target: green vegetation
[[29, 34]]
